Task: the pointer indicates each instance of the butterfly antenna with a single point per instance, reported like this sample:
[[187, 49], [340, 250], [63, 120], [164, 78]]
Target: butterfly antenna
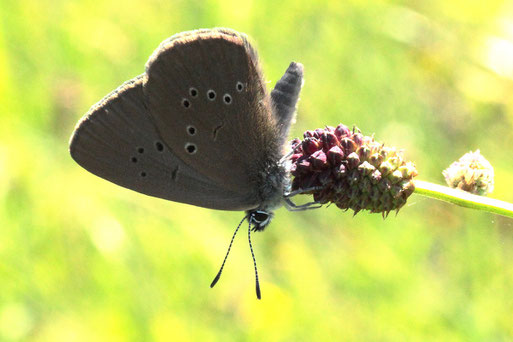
[[254, 263], [226, 256]]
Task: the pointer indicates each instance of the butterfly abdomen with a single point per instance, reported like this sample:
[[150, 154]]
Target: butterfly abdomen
[[285, 95]]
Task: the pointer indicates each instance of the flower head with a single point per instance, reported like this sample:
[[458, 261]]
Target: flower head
[[471, 173], [353, 171]]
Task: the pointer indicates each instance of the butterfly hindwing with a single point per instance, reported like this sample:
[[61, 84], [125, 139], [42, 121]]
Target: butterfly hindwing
[[117, 140]]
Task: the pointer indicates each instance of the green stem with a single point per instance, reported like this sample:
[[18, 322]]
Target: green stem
[[463, 199]]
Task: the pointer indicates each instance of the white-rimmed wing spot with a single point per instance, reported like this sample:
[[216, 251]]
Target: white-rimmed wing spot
[[191, 148]]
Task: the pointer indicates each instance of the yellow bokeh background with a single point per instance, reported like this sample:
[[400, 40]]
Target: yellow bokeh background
[[84, 260]]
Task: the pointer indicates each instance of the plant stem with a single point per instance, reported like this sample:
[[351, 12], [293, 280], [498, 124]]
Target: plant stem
[[463, 199]]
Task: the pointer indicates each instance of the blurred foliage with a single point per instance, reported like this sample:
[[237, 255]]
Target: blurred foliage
[[84, 260]]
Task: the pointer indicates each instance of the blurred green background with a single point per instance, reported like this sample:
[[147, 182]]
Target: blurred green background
[[84, 260]]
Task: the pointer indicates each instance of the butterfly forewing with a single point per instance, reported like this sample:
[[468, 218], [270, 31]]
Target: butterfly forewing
[[208, 99]]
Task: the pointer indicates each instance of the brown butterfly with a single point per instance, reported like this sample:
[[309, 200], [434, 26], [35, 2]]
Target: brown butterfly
[[197, 127]]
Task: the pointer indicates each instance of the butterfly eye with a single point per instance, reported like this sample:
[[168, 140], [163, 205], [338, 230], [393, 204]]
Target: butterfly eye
[[260, 219], [211, 95], [260, 216]]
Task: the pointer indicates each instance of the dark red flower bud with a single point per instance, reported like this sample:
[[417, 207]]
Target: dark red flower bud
[[308, 134], [364, 152], [316, 135], [329, 140], [366, 168], [342, 131], [358, 139], [353, 160], [376, 159], [347, 145], [295, 142], [318, 160], [335, 155], [310, 145]]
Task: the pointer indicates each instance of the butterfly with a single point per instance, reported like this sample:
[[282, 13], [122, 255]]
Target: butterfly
[[198, 127]]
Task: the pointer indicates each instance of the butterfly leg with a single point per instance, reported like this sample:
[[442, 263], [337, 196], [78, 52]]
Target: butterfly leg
[[291, 206], [307, 206], [302, 191]]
